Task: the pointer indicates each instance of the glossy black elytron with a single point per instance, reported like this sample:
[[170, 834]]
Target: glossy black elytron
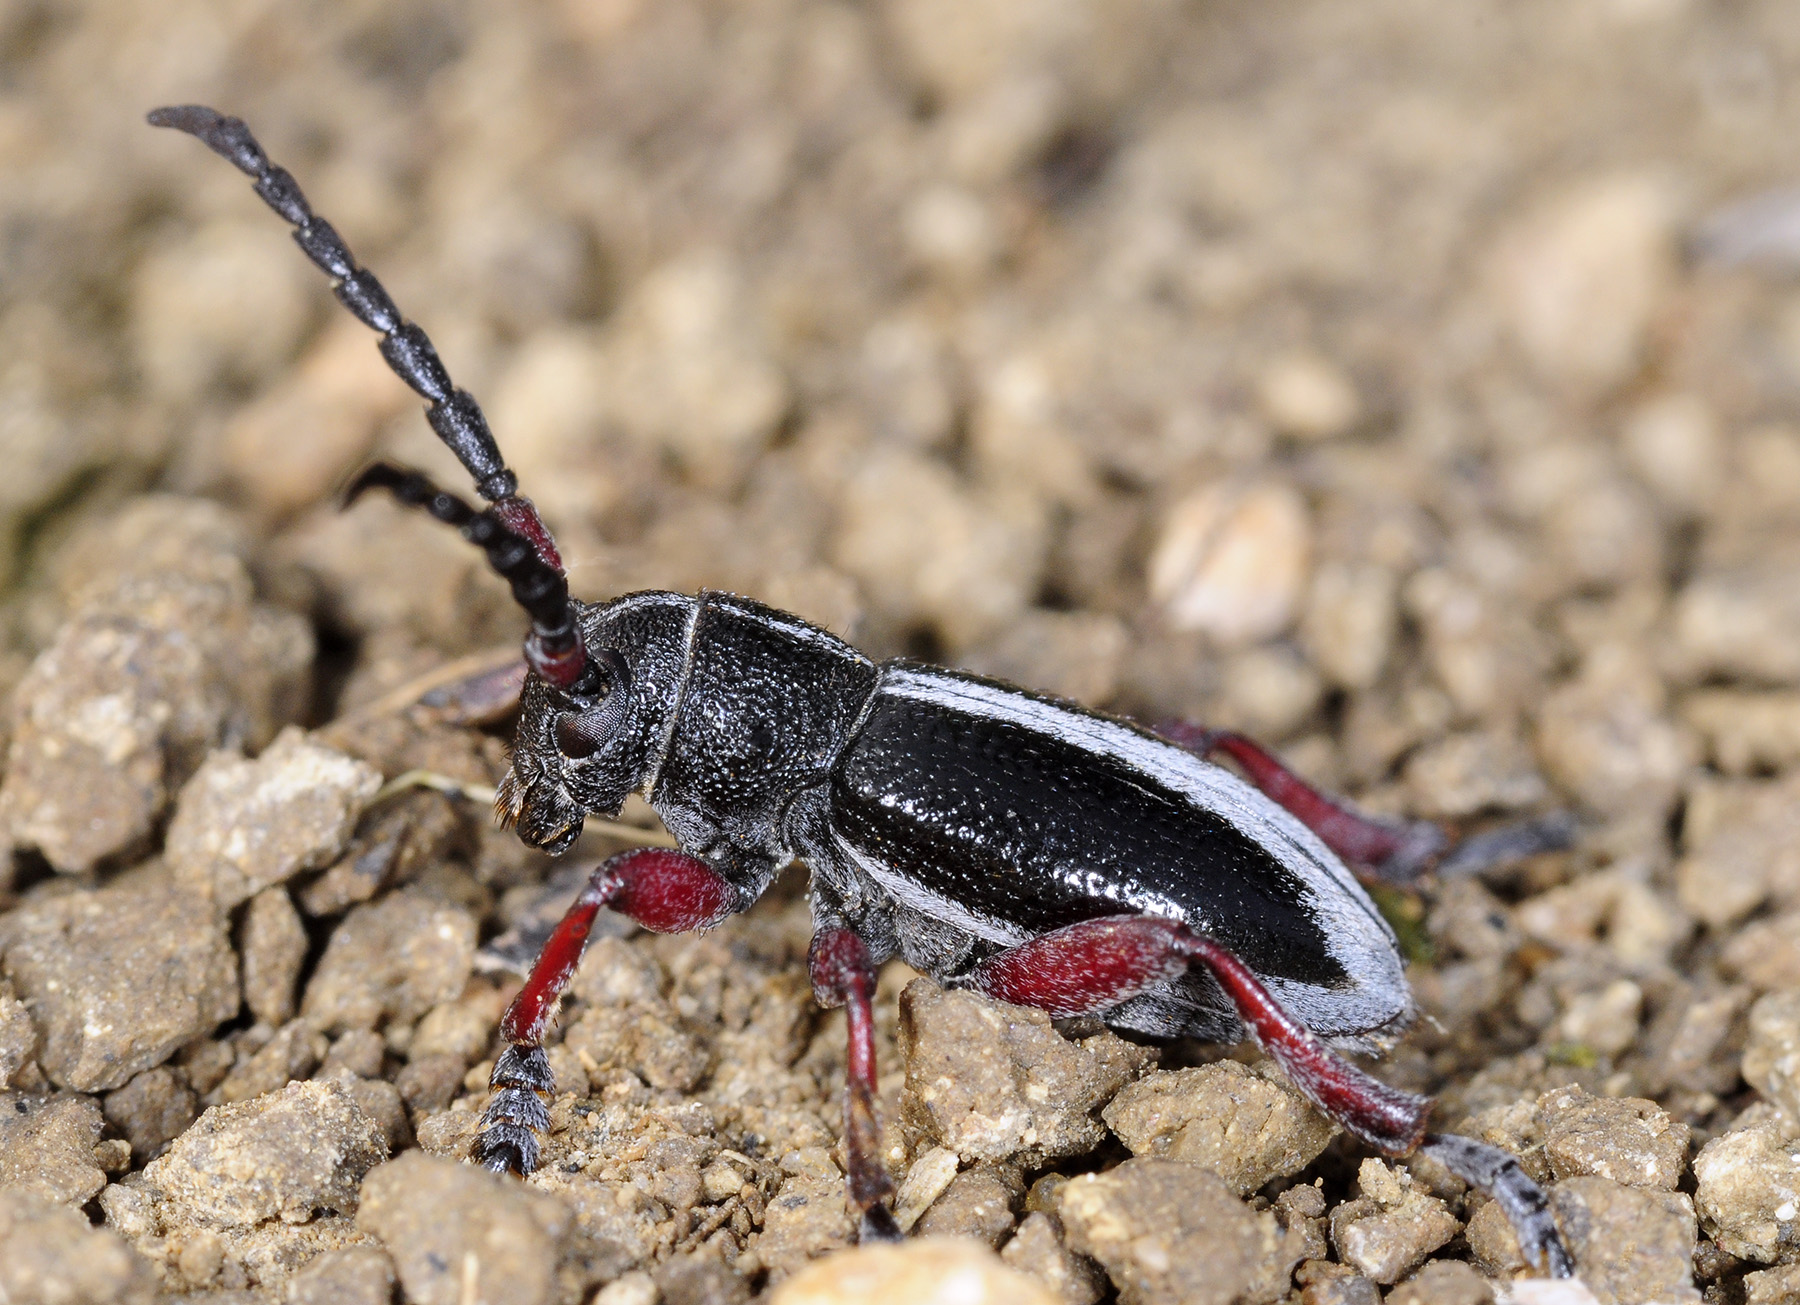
[[946, 817]]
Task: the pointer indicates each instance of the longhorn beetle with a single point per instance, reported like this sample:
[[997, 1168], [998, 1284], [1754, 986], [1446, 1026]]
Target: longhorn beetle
[[996, 839]]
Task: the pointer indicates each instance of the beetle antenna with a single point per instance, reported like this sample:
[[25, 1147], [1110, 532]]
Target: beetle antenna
[[554, 647], [452, 412]]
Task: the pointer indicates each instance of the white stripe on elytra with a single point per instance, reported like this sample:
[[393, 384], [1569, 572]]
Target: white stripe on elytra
[[1211, 787]]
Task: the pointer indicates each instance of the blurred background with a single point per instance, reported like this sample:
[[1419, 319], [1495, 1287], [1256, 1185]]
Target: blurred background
[[1413, 385]]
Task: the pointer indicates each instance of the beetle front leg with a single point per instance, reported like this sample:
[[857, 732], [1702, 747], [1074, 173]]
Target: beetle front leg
[[665, 892], [843, 975], [1086, 968]]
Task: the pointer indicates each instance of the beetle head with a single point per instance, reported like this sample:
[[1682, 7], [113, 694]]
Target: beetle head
[[587, 717], [586, 748]]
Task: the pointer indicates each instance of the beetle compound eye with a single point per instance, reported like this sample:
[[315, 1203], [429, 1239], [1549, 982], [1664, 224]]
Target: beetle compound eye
[[581, 734], [576, 736]]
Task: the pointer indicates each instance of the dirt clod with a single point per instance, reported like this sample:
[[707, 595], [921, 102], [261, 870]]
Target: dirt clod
[[272, 942], [1628, 1140], [454, 1231], [119, 978], [1443, 1282], [51, 1253], [47, 1146], [1391, 1227], [163, 658], [1747, 1190], [1039, 1250], [152, 1110], [392, 959], [1247, 1126], [284, 1155], [991, 1081], [242, 826], [1170, 1232], [356, 1275]]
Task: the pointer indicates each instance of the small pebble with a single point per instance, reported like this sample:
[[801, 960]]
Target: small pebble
[[1307, 396], [1578, 280], [242, 826], [1173, 1234], [931, 1271], [1233, 561]]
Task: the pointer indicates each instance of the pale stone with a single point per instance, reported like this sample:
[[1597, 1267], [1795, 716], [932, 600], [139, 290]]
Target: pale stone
[[1232, 561]]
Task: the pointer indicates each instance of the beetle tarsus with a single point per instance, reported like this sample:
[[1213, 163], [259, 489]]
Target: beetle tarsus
[[1505, 844], [878, 1225], [1500, 1175]]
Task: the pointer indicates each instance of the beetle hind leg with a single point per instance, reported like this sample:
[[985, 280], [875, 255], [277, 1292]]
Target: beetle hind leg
[[1086, 968]]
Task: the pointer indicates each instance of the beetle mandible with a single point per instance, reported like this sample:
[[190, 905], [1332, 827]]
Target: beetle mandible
[[997, 839]]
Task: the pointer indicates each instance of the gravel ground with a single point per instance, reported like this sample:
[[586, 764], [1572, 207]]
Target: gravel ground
[[1415, 386]]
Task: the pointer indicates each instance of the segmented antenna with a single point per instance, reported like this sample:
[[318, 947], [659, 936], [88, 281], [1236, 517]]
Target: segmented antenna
[[453, 413], [553, 648]]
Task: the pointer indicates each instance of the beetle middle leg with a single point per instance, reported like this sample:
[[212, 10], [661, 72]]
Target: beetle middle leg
[[665, 892], [1085, 968], [844, 975]]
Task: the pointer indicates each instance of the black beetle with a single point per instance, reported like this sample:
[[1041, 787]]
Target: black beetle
[[1040, 852]]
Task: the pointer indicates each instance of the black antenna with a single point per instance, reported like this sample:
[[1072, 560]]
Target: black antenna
[[554, 647], [518, 544], [453, 413]]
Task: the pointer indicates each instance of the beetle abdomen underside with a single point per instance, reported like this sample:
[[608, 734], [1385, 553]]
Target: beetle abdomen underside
[[1025, 814]]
